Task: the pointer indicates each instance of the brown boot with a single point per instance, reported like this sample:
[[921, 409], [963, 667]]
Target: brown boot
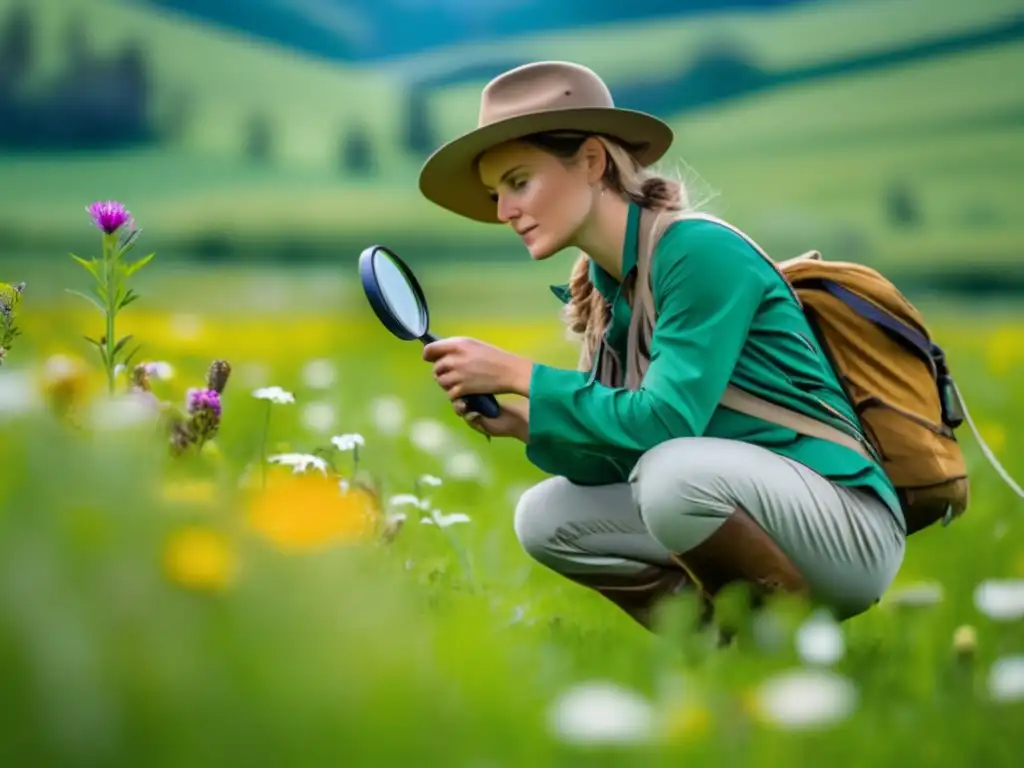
[[639, 594], [740, 550]]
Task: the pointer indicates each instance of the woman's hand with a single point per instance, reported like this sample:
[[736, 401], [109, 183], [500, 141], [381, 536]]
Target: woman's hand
[[469, 367], [513, 421]]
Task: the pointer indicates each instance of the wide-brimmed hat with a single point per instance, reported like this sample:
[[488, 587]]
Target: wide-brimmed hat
[[534, 98]]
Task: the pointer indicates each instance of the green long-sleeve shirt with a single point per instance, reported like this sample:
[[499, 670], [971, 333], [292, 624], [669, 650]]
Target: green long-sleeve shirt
[[724, 315]]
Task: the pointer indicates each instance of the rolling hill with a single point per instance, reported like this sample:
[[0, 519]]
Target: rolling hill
[[808, 164]]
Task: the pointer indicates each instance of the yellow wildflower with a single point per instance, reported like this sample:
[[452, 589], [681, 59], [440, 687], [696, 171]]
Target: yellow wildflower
[[200, 558], [965, 640], [301, 512], [65, 382]]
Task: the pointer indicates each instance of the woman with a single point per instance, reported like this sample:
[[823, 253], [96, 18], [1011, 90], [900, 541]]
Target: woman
[[657, 486]]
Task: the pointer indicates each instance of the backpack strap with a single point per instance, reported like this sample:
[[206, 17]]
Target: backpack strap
[[989, 454], [737, 399], [740, 400]]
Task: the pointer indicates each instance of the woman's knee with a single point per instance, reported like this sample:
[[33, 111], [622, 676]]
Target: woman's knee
[[681, 492], [534, 522]]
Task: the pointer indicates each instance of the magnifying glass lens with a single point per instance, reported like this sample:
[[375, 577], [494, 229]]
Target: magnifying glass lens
[[400, 295]]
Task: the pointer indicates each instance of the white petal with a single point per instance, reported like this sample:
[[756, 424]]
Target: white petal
[[318, 416], [274, 395], [919, 595], [347, 442], [806, 698], [160, 370], [1006, 679], [125, 411], [454, 518], [429, 436], [18, 393], [318, 374], [1001, 599], [388, 414], [465, 465], [819, 640], [601, 713], [299, 461], [407, 500], [430, 480]]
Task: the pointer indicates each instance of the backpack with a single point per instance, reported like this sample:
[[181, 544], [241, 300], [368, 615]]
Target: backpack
[[893, 373]]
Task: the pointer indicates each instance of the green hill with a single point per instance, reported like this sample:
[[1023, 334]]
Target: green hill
[[804, 166]]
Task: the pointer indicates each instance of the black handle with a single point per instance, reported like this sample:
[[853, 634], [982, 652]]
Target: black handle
[[485, 405]]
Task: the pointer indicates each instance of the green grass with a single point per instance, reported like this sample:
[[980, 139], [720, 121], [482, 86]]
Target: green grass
[[443, 650]]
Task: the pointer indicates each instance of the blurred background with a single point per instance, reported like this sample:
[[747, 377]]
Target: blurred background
[[262, 145], [248, 135]]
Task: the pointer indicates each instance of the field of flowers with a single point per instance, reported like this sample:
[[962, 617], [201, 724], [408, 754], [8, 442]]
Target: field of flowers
[[265, 539]]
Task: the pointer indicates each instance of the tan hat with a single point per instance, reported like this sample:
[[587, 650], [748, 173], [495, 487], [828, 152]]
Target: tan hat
[[544, 96]]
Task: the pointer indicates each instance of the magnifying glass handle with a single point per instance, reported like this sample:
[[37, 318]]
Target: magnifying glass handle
[[485, 405]]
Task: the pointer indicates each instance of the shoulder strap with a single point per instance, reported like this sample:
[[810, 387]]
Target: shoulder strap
[[652, 227], [740, 400]]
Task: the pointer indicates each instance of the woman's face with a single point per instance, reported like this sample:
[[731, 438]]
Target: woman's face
[[544, 199]]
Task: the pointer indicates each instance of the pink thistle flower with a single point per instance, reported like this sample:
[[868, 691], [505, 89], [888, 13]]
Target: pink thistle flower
[[203, 400], [204, 411], [109, 216]]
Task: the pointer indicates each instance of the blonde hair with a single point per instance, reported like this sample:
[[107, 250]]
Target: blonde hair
[[586, 314]]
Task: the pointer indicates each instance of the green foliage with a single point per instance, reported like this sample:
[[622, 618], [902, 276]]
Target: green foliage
[[111, 295], [444, 646]]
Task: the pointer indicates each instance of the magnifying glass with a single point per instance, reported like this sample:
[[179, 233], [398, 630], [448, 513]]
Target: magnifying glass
[[399, 303]]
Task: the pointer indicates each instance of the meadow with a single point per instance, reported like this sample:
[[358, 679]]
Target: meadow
[[166, 609]]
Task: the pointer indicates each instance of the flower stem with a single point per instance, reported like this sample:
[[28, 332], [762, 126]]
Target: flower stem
[[263, 446], [111, 293]]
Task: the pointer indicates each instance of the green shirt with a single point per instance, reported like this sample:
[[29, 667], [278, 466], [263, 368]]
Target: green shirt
[[724, 315]]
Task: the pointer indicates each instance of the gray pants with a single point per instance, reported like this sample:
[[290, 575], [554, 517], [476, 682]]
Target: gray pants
[[845, 542]]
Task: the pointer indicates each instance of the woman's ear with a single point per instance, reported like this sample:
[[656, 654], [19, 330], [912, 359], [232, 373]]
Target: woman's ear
[[595, 159]]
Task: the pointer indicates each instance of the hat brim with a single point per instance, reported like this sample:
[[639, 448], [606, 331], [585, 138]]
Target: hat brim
[[449, 176]]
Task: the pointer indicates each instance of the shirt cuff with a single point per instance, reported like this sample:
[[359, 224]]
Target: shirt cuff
[[551, 393]]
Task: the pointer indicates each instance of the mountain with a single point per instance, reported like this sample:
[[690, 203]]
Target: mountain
[[364, 31]]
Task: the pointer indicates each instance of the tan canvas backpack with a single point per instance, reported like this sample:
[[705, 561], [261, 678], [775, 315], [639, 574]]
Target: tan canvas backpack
[[892, 371]]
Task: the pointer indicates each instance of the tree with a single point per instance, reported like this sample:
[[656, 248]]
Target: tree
[[357, 153]]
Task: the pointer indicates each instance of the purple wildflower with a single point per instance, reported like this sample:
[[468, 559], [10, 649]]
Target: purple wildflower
[[109, 216], [204, 414], [203, 400]]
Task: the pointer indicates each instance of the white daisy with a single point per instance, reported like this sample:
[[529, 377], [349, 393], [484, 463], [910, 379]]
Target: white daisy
[[274, 395], [347, 442], [407, 500], [1000, 599], [601, 712], [442, 520], [299, 462]]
